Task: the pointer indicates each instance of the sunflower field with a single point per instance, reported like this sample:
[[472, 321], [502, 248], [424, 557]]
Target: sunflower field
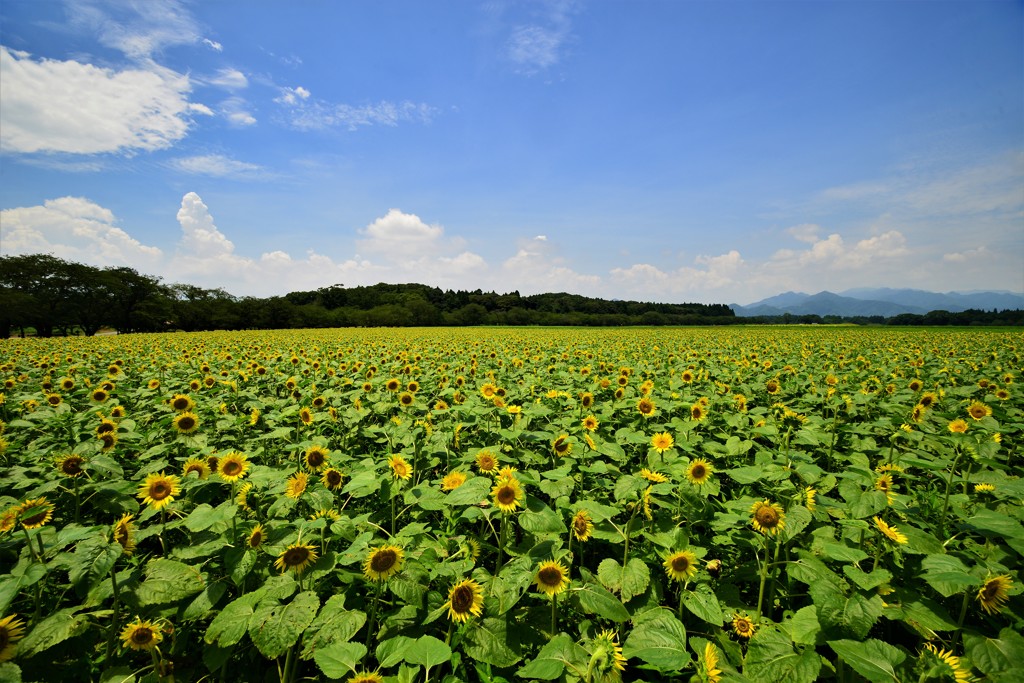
[[490, 505]]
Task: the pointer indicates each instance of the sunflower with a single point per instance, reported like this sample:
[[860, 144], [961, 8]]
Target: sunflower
[[453, 480], [699, 471], [232, 466], [586, 399], [552, 578], [607, 661], [306, 415], [561, 445], [885, 485], [141, 635], [197, 465], [697, 412], [71, 465], [465, 599], [316, 458], [767, 517], [296, 485], [332, 478], [67, 384], [399, 467], [687, 376], [959, 672], [711, 671], [296, 558], [53, 400], [742, 626], [662, 442], [181, 402], [186, 423], [681, 565], [809, 495], [8, 518], [12, 630], [256, 536], [979, 410], [645, 406], [891, 532], [772, 387], [741, 402], [393, 385], [99, 395], [507, 494], [365, 677], [486, 462], [927, 399], [590, 423], [995, 593], [382, 563], [984, 488], [646, 500], [159, 490], [582, 526], [917, 414], [34, 514], [242, 499], [653, 475], [124, 533]]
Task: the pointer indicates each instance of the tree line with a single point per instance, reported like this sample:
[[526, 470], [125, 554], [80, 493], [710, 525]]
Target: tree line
[[53, 296]]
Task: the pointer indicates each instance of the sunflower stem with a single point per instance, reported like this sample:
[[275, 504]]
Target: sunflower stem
[[554, 614], [764, 577], [156, 664], [115, 616], [78, 503], [373, 616], [949, 485], [960, 621]]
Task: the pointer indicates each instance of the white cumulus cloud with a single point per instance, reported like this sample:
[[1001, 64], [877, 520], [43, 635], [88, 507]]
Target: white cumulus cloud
[[114, 111]]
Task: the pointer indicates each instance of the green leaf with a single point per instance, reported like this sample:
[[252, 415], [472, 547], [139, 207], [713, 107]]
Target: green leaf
[[204, 516], [334, 624], [560, 652], [52, 630], [658, 639], [11, 673], [228, 627], [558, 488], [772, 659], [544, 520], [92, 562], [947, 575], [627, 487], [393, 650], [204, 602], [275, 631], [746, 475], [337, 660], [10, 586], [471, 492], [872, 659], [703, 603], [803, 627], [120, 674], [866, 581], [364, 484], [168, 581], [629, 581], [595, 599], [488, 641], [428, 651], [840, 552], [996, 655]]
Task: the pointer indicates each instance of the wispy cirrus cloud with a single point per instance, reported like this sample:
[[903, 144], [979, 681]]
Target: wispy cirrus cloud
[[537, 46], [219, 166], [305, 112], [138, 29]]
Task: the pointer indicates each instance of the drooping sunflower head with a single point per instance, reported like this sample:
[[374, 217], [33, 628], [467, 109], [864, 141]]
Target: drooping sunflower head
[[316, 458], [384, 562], [365, 677], [296, 558], [197, 465], [890, 532], [710, 663], [681, 565], [186, 423], [332, 478], [653, 476], [699, 471], [232, 466], [124, 533], [743, 626], [507, 494], [465, 599], [400, 468], [453, 480], [35, 513], [486, 462], [552, 578], [159, 490], [12, 629], [607, 660], [141, 635], [767, 517], [582, 526], [296, 485], [994, 593], [71, 465], [959, 672]]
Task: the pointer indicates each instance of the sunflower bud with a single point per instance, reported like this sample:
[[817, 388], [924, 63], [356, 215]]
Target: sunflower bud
[[714, 568]]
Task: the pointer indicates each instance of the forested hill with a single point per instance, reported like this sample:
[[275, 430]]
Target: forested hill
[[53, 296]]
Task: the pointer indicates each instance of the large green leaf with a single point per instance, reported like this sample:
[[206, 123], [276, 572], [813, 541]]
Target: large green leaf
[[803, 627], [630, 581], [489, 641], [276, 629], [168, 581], [561, 652], [596, 599], [772, 659], [872, 659], [658, 639], [337, 660], [428, 651], [204, 516], [92, 561], [228, 627], [334, 624], [996, 655], [52, 630], [947, 575], [702, 602], [471, 492]]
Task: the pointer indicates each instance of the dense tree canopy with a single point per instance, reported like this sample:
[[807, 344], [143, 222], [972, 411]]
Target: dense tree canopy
[[52, 296]]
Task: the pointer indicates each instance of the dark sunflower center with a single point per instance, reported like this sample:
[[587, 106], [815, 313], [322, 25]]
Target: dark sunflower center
[[646, 407], [767, 517], [4, 638], [293, 557], [194, 468], [977, 412], [506, 495], [561, 446], [256, 539], [142, 635], [587, 401], [212, 462], [580, 526], [462, 599], [681, 564], [159, 490], [383, 560], [72, 466], [181, 404], [53, 400], [121, 534], [990, 591], [333, 478], [926, 401], [37, 518], [186, 423], [231, 468], [698, 471], [107, 439], [550, 576], [315, 458]]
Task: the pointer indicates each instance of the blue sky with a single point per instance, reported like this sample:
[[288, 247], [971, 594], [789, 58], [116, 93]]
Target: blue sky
[[666, 151]]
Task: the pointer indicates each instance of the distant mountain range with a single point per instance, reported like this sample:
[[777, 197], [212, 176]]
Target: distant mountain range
[[878, 301]]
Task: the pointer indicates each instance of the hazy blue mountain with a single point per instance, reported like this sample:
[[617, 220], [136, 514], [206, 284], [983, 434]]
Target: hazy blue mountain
[[882, 301]]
